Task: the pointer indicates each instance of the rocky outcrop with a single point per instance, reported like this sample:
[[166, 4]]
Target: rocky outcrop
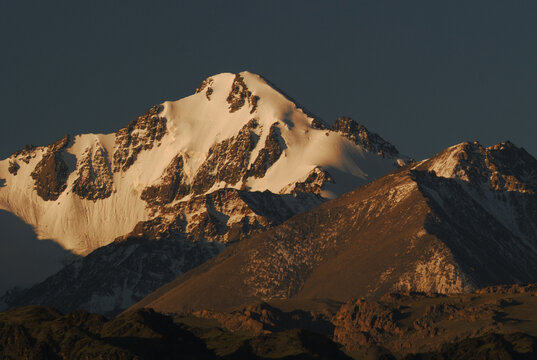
[[172, 185], [359, 323], [313, 183], [361, 136], [207, 86], [224, 216], [501, 167], [141, 134], [228, 160], [269, 154], [318, 124], [94, 175], [50, 174], [470, 199], [26, 154], [240, 95], [13, 167], [436, 272]]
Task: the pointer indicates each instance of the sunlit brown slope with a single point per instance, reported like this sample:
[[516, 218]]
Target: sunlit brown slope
[[465, 219]]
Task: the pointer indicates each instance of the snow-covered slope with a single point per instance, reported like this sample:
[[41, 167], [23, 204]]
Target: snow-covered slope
[[235, 132]]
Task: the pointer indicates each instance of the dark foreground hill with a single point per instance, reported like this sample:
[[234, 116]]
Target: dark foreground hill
[[43, 333], [462, 220], [493, 323]]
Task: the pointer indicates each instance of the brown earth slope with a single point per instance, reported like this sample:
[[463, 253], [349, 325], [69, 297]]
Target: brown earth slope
[[462, 220]]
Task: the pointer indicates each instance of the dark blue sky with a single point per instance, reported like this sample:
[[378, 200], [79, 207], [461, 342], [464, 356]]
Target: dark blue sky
[[423, 74]]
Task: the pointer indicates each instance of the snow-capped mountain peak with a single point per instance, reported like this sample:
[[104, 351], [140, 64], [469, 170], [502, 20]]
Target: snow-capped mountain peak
[[235, 132]]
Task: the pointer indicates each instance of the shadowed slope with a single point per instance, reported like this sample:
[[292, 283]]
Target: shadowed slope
[[24, 259]]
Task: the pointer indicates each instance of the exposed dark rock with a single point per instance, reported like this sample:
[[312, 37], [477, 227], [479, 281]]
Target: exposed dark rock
[[13, 167], [208, 93], [208, 215], [158, 228], [60, 144], [253, 99], [361, 136], [172, 185], [141, 134], [361, 322], [240, 94], [313, 183], [271, 152], [513, 160], [496, 216], [94, 179], [318, 124], [50, 174], [228, 160], [502, 167], [25, 154], [206, 84]]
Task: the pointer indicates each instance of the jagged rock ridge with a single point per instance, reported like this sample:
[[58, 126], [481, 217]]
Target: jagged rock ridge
[[363, 137], [140, 134], [94, 179], [50, 174]]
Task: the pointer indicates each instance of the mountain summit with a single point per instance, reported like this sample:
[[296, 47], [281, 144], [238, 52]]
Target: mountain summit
[[235, 132]]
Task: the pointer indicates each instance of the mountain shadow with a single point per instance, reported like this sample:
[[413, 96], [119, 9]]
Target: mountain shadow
[[24, 259]]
